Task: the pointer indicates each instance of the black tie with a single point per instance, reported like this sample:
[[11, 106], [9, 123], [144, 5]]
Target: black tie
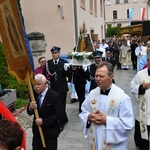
[[55, 62], [105, 92]]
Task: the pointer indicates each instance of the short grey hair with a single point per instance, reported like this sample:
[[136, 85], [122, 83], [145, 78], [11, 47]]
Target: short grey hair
[[108, 66], [40, 77]]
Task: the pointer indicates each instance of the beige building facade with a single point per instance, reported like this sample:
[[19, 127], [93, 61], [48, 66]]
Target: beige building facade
[[117, 11], [60, 20]]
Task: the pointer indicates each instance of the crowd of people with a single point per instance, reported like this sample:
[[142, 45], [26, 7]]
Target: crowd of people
[[112, 112], [106, 112]]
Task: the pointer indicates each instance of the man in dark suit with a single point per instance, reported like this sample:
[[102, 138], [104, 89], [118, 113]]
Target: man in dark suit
[[48, 104], [58, 79], [133, 56], [109, 56], [90, 71], [79, 80]]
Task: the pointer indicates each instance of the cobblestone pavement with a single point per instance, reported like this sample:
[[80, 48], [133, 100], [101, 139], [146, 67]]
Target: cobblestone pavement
[[24, 119]]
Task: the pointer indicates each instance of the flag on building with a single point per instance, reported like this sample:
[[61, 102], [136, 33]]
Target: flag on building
[[143, 11], [13, 38], [131, 10]]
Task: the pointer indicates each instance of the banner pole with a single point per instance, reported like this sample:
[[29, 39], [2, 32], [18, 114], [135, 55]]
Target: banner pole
[[35, 110]]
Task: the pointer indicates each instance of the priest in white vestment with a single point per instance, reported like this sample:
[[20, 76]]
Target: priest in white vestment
[[125, 55], [107, 114], [140, 88]]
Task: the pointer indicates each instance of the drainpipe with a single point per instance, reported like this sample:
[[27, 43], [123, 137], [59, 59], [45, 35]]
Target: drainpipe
[[75, 21], [148, 9], [104, 20]]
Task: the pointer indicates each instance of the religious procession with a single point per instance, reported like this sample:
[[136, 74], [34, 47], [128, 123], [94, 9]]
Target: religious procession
[[95, 96]]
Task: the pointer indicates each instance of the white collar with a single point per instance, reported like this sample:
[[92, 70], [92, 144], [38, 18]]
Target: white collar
[[56, 60], [44, 92]]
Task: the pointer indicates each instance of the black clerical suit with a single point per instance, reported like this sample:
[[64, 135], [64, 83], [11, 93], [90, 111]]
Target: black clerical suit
[[133, 56], [111, 59], [51, 113], [79, 81], [58, 82]]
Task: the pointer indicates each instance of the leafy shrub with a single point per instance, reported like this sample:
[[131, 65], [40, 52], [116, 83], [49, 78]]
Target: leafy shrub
[[9, 82], [21, 103]]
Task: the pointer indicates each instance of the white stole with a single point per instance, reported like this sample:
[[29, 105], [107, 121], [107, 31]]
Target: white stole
[[111, 109], [143, 107]]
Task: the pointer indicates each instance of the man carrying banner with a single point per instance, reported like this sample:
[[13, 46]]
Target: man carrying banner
[[49, 107]]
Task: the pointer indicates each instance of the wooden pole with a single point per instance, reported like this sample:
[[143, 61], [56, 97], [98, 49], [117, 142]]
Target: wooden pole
[[35, 110]]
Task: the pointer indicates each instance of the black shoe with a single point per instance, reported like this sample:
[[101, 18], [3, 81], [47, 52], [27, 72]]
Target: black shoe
[[73, 100], [62, 124], [65, 122], [61, 128]]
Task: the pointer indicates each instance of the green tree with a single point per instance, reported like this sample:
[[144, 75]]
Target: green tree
[[9, 82], [112, 31]]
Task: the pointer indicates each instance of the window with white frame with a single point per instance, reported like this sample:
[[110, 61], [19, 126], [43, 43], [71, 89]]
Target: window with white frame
[[128, 13], [115, 14], [117, 1], [95, 7], [91, 6], [135, 1], [101, 7], [108, 2], [82, 3], [125, 1]]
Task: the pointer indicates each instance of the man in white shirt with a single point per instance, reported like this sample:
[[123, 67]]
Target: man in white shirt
[[103, 46], [107, 114]]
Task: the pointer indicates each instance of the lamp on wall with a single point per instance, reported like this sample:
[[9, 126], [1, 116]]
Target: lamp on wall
[[61, 9]]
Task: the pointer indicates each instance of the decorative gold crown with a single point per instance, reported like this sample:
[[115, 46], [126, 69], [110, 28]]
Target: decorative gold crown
[[94, 101]]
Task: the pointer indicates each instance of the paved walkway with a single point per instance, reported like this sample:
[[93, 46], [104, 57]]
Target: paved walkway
[[72, 138]]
